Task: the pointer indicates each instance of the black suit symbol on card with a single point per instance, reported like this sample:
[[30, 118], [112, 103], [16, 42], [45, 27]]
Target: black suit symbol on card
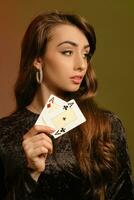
[[60, 131], [65, 107], [61, 115], [64, 118]]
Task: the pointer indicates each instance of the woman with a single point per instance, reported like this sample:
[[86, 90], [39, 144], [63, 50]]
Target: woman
[[90, 161]]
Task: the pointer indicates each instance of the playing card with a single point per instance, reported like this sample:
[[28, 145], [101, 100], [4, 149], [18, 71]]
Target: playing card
[[69, 118], [52, 107], [61, 118], [60, 115]]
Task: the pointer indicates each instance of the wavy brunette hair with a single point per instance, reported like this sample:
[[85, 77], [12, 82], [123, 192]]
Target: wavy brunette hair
[[91, 141]]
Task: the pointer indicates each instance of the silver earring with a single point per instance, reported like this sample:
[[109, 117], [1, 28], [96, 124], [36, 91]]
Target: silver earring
[[39, 75]]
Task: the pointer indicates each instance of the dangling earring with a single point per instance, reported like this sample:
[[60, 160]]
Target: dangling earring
[[39, 75]]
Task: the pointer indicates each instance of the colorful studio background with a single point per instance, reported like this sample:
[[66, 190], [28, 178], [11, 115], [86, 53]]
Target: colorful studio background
[[113, 61]]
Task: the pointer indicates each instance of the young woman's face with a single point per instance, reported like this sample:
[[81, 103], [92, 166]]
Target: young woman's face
[[65, 60]]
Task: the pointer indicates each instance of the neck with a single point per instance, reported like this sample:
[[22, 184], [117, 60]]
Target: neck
[[41, 98]]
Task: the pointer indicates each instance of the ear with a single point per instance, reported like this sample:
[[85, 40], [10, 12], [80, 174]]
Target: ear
[[37, 63]]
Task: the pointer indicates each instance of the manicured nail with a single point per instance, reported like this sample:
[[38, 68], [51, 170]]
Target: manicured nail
[[52, 129]]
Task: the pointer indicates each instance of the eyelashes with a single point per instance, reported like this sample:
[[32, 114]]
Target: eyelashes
[[67, 52], [70, 52]]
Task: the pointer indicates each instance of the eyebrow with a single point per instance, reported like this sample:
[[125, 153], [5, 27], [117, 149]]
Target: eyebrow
[[72, 43]]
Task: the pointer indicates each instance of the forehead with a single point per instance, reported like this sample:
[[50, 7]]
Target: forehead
[[65, 32]]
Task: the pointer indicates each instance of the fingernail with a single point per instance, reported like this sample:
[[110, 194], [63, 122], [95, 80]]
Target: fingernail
[[52, 129]]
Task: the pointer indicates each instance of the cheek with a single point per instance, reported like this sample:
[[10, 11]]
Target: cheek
[[56, 65], [52, 62], [52, 70], [49, 68]]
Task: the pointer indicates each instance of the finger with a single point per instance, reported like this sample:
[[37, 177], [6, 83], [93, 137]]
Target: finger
[[38, 163], [45, 143], [38, 137], [38, 129], [39, 143], [36, 141], [38, 152]]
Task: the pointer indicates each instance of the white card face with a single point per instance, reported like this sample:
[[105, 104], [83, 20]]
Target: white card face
[[60, 115], [52, 107], [67, 120]]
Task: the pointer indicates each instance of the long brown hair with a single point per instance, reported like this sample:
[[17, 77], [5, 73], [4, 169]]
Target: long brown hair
[[91, 143]]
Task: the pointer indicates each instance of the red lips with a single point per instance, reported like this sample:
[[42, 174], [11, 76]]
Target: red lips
[[76, 79]]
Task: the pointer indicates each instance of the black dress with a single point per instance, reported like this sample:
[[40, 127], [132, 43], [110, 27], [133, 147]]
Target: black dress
[[56, 182]]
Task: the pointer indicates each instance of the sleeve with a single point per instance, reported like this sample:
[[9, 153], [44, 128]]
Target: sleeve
[[16, 183], [15, 180], [25, 187], [123, 186]]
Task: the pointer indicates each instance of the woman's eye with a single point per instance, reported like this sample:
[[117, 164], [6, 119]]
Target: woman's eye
[[67, 52], [86, 55]]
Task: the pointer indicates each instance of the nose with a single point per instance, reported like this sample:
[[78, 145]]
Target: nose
[[80, 63]]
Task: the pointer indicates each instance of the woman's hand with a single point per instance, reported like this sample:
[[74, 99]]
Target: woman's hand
[[37, 145]]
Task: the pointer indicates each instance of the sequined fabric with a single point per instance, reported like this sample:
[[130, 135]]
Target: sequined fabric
[[62, 178]]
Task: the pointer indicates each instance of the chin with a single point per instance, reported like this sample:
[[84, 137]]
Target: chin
[[74, 89]]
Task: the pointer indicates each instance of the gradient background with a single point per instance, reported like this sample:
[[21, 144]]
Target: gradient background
[[113, 61]]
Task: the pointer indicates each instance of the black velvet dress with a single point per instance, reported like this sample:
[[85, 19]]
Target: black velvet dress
[[62, 178]]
